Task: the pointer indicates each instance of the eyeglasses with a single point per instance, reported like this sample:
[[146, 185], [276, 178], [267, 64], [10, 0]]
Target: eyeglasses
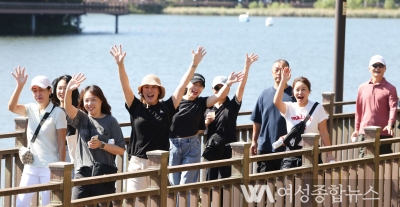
[[218, 87], [376, 65]]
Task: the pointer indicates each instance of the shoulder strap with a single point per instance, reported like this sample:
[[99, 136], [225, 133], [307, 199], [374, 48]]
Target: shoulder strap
[[40, 125], [310, 113]]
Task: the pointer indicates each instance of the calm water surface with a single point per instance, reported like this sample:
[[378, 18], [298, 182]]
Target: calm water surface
[[161, 45]]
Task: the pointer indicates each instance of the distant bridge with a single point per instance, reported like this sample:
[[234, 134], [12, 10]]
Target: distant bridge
[[100, 7]]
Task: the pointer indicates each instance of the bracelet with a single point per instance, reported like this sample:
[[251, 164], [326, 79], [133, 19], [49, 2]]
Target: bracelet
[[194, 66], [229, 85]]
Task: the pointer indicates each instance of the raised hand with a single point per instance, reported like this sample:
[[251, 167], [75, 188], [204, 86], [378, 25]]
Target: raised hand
[[198, 55], [76, 81], [20, 75], [234, 78], [286, 74], [117, 54], [251, 59]]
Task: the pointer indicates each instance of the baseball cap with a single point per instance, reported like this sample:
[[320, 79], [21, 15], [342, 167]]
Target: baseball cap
[[219, 80], [377, 59], [198, 78], [41, 81]]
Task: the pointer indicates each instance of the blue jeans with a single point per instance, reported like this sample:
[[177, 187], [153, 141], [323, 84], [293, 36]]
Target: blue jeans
[[184, 151]]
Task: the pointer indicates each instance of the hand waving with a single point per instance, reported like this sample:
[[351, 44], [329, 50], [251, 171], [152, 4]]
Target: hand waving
[[198, 55], [251, 59], [76, 81], [234, 78], [117, 54], [286, 74], [20, 75]]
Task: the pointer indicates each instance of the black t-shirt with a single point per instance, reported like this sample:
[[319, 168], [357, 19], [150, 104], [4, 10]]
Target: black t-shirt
[[189, 119], [225, 120], [150, 127]]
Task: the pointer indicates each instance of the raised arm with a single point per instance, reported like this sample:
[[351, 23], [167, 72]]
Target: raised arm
[[223, 92], [249, 60], [73, 84], [123, 77], [20, 78], [197, 57], [285, 77]]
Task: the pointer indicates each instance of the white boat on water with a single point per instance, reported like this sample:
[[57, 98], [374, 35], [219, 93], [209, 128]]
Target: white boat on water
[[269, 21], [244, 17]]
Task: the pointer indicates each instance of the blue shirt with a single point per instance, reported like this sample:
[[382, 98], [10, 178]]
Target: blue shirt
[[273, 125]]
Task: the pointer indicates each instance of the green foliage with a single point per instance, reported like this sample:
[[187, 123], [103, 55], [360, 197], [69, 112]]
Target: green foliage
[[389, 4], [277, 5], [146, 8], [256, 4], [354, 4], [324, 4], [239, 6]]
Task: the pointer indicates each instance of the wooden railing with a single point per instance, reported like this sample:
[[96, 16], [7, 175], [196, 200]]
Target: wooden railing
[[242, 169]]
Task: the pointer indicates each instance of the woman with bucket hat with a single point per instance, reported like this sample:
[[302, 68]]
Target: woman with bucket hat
[[188, 122], [150, 117], [45, 133]]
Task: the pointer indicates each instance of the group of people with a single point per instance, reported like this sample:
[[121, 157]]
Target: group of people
[[376, 105], [173, 124]]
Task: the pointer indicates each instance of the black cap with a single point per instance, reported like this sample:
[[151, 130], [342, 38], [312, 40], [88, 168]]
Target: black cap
[[198, 78]]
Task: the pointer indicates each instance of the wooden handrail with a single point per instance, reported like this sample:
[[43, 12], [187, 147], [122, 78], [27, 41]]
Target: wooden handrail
[[279, 155], [30, 189], [113, 177]]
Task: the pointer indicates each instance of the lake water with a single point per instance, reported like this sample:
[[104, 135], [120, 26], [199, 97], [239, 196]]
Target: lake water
[[161, 44]]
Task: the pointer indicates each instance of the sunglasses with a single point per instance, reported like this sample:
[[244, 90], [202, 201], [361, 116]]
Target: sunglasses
[[376, 65], [218, 87]]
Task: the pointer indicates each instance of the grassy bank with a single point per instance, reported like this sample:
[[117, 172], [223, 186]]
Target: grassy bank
[[287, 12]]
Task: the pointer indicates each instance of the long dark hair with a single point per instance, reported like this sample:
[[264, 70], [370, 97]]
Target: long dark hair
[[96, 91], [75, 93]]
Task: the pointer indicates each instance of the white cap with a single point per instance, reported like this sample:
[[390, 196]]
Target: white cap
[[41, 81], [219, 80], [377, 59]]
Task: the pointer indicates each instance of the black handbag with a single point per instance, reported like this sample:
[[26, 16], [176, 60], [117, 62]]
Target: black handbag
[[293, 138], [214, 148]]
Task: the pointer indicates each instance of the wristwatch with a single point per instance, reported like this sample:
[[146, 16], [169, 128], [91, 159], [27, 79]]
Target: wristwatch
[[102, 145]]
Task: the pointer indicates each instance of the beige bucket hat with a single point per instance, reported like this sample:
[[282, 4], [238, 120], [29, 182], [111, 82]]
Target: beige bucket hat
[[152, 80]]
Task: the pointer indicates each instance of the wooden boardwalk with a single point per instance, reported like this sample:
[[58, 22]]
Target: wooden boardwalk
[[352, 181]]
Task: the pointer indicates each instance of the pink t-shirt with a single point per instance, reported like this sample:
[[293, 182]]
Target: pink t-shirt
[[376, 105]]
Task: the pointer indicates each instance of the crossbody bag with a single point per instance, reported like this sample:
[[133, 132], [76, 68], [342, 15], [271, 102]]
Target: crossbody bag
[[25, 154]]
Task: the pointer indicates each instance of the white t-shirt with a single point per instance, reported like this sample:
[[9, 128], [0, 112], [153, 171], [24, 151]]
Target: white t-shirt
[[295, 114], [45, 148]]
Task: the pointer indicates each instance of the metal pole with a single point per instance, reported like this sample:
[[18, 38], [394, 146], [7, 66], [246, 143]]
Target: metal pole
[[340, 32], [33, 28], [116, 24]]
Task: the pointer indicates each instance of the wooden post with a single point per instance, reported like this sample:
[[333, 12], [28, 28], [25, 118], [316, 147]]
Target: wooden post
[[60, 172], [372, 171], [310, 141], [328, 98], [158, 159], [21, 125], [240, 150]]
